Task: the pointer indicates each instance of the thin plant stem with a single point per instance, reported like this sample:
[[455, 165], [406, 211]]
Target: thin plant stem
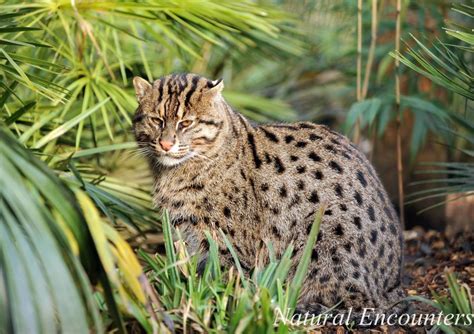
[[359, 66], [359, 49], [401, 194], [370, 59]]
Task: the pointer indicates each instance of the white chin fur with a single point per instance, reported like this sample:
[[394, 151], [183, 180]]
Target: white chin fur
[[170, 161]]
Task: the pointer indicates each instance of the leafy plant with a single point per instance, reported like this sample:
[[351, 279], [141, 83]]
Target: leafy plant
[[70, 174], [458, 304], [225, 299], [446, 64], [54, 244]]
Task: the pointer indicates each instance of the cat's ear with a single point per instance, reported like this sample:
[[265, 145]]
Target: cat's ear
[[215, 88], [142, 87]]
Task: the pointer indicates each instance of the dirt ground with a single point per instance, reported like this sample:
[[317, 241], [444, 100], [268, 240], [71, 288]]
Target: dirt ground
[[428, 255]]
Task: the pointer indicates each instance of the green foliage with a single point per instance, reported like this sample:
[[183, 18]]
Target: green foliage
[[447, 65], [95, 46], [66, 99], [458, 303], [41, 235], [70, 172], [448, 177], [51, 237], [225, 299]]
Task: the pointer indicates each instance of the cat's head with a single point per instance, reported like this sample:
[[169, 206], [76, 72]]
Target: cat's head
[[179, 117]]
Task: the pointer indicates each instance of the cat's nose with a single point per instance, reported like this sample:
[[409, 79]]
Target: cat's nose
[[166, 145]]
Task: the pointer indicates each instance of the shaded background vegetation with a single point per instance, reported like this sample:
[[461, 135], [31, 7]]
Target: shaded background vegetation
[[74, 194]]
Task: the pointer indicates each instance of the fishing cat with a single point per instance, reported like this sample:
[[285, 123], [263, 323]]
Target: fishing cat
[[214, 169]]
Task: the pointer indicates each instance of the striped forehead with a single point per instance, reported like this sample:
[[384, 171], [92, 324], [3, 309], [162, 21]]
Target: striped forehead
[[175, 93]]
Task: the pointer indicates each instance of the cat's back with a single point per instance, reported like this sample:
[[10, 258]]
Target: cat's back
[[299, 167], [312, 156]]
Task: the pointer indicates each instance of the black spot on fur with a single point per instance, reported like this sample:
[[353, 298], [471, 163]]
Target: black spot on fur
[[354, 263], [300, 184], [283, 192], [335, 259], [318, 175], [338, 190], [356, 275], [338, 230], [196, 186], [358, 198], [380, 195], [357, 222], [264, 187], [348, 247], [307, 126], [346, 155], [278, 165], [313, 156], [361, 178], [362, 248], [352, 289], [314, 137], [328, 213], [314, 255], [324, 278], [330, 148], [320, 236], [268, 159], [289, 139], [301, 144], [343, 207], [313, 198], [276, 211], [371, 213], [301, 169], [390, 257], [270, 135], [275, 231], [256, 159], [204, 245], [382, 250], [295, 200], [373, 237], [335, 166], [393, 229], [177, 204], [227, 212], [242, 173], [383, 227], [375, 264], [293, 158]]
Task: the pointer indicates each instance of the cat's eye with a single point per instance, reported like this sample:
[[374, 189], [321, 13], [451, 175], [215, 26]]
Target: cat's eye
[[156, 120], [185, 123]]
